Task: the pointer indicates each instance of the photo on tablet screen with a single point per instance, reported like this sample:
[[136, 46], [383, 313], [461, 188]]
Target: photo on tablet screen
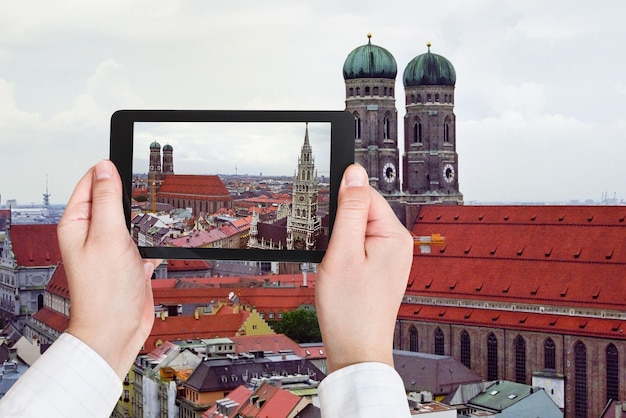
[[231, 185]]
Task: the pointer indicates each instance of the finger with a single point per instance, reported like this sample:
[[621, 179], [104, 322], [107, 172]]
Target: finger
[[74, 223], [382, 220], [107, 214], [149, 266], [353, 203]]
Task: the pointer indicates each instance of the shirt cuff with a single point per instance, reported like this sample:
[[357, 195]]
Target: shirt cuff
[[69, 379], [363, 390]]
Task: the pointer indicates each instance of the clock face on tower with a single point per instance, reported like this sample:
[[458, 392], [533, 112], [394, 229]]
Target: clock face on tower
[[448, 173], [389, 172]]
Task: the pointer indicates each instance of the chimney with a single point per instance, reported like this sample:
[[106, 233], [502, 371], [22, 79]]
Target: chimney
[[304, 281]]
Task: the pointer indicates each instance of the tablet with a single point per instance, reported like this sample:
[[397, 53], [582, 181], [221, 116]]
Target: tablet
[[231, 185]]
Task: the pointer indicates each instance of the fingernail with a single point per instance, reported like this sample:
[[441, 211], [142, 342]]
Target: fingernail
[[103, 170], [355, 176]]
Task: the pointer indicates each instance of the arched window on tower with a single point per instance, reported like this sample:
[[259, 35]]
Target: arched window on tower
[[419, 98], [351, 91], [549, 355], [367, 90], [466, 347], [436, 97], [358, 91], [391, 91], [446, 132], [386, 90], [439, 342], [357, 126], [612, 373], [375, 91], [417, 132], [412, 98], [580, 380], [413, 340], [386, 133], [492, 357], [520, 359]]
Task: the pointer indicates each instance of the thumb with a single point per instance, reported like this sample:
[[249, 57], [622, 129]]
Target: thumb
[[353, 206], [107, 214]]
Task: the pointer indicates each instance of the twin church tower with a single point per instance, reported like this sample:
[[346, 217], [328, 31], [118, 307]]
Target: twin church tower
[[429, 163]]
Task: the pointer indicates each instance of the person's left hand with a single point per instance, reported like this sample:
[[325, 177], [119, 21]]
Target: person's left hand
[[112, 309]]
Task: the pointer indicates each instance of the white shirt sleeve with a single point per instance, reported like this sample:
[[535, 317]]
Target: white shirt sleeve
[[68, 380], [363, 390]]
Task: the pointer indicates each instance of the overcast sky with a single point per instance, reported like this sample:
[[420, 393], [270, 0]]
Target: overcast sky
[[540, 93]]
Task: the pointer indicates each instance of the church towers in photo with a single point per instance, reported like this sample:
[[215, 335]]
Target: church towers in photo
[[160, 168], [429, 162]]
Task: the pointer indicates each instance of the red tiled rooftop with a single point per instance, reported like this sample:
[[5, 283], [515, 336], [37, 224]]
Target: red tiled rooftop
[[492, 318], [52, 319], [556, 255], [35, 245], [185, 265], [174, 328], [58, 283], [186, 186]]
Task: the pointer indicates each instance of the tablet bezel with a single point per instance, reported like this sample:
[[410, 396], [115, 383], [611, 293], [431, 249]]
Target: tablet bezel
[[341, 155]]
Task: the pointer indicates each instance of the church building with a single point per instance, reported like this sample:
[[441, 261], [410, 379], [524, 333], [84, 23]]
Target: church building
[[530, 294], [429, 162], [204, 194]]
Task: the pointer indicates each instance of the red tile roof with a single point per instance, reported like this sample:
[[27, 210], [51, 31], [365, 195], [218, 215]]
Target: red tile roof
[[556, 324], [275, 343], [554, 255], [194, 186], [239, 395], [35, 245], [278, 403], [262, 298], [187, 327], [52, 319], [58, 283], [185, 265]]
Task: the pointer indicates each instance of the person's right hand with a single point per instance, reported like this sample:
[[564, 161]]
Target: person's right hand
[[363, 276]]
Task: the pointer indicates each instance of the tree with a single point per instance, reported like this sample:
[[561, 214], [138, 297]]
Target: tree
[[300, 325]]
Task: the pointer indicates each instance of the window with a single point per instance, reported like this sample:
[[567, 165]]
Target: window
[[271, 315], [520, 359], [413, 340], [419, 98], [375, 91], [386, 128], [386, 91], [412, 99], [429, 97], [436, 97], [351, 91], [549, 355], [580, 380], [466, 349], [358, 91], [446, 133], [439, 342], [357, 126], [391, 91], [612, 373], [417, 132], [367, 91], [492, 357]]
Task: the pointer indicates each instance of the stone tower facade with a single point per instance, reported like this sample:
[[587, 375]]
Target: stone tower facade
[[168, 160], [304, 226], [370, 76], [430, 161], [154, 172]]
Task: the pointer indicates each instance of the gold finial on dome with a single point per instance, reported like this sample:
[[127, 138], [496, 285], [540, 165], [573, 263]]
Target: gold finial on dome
[[369, 35], [428, 44]]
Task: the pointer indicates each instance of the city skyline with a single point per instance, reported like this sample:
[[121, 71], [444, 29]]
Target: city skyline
[[540, 95], [233, 148]]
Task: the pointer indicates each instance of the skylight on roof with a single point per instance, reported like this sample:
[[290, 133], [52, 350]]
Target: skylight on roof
[[494, 392], [512, 396]]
